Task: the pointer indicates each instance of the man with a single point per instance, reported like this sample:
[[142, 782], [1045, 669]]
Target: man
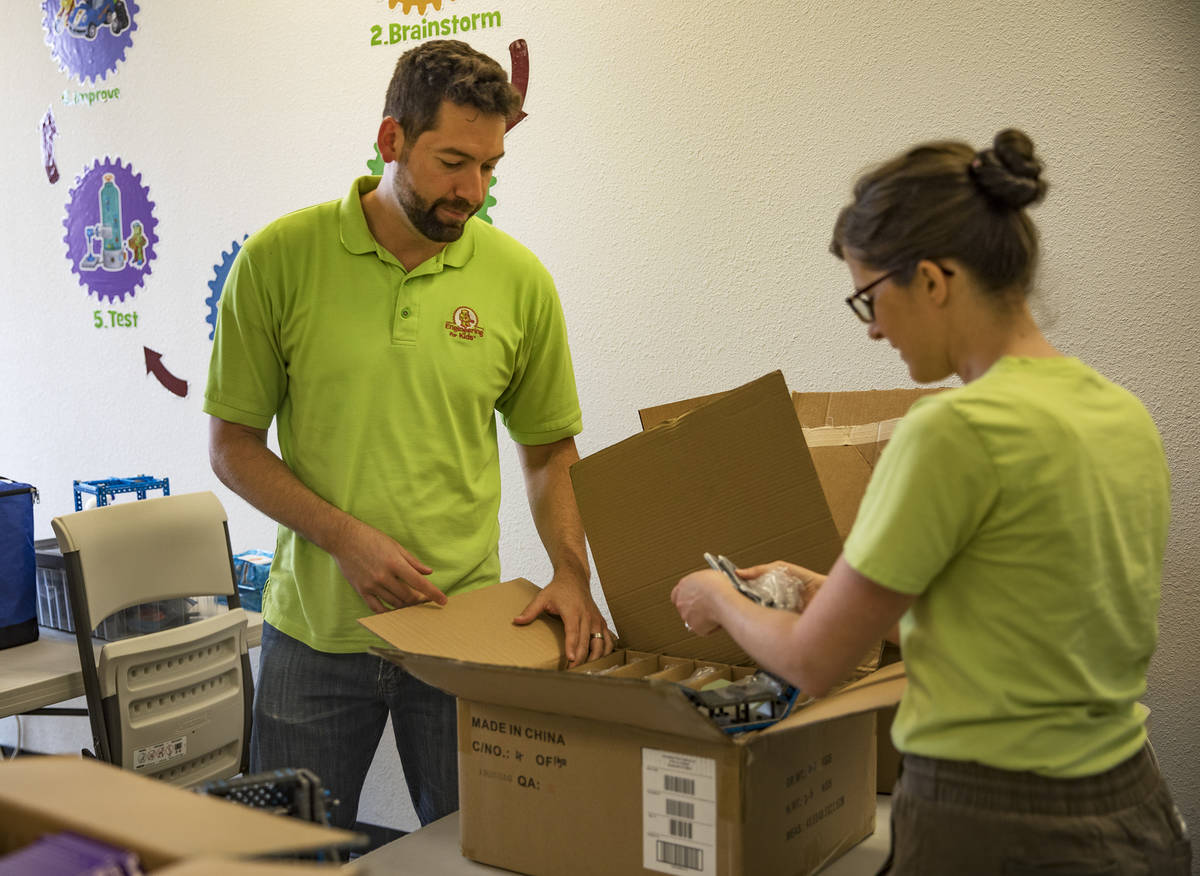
[[384, 331]]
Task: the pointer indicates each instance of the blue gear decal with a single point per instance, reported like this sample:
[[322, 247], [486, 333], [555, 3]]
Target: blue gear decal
[[89, 38], [110, 226], [217, 283], [488, 203]]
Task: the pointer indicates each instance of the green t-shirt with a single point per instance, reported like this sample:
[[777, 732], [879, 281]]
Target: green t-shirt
[[385, 386], [1028, 513]]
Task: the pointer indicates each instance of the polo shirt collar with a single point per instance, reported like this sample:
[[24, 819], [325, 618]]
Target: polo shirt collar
[[357, 237]]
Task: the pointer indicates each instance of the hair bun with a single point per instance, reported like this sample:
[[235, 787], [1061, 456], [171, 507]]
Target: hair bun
[[1009, 173]]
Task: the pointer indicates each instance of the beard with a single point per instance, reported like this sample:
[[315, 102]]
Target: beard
[[423, 214]]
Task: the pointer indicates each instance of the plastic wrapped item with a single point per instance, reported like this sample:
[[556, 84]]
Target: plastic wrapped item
[[777, 588], [749, 703], [702, 676]]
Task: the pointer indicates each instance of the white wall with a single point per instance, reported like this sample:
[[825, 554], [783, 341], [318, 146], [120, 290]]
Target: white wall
[[678, 173]]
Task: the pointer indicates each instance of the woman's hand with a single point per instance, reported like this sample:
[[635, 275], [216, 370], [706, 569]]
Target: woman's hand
[[811, 580], [698, 598]]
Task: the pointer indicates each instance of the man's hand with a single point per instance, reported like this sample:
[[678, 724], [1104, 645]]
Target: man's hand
[[556, 516], [581, 619], [383, 572]]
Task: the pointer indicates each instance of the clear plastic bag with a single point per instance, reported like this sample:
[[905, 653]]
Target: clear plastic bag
[[702, 676], [778, 588]]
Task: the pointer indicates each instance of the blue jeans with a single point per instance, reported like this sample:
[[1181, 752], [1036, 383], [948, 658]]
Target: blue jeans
[[326, 713]]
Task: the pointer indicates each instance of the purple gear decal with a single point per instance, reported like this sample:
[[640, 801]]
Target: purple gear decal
[[110, 229], [89, 38], [217, 283]]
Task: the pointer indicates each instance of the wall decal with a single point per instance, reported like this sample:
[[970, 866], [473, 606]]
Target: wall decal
[[518, 54], [375, 165], [421, 6], [155, 366], [49, 132], [88, 37], [488, 202], [110, 229], [217, 283], [453, 26]]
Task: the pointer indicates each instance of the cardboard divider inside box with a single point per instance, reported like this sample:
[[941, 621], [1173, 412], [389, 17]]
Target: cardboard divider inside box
[[610, 767]]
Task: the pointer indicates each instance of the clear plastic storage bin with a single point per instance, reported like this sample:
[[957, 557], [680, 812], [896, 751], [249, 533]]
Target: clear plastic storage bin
[[54, 605]]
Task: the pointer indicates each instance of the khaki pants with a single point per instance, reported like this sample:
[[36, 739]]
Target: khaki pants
[[951, 818]]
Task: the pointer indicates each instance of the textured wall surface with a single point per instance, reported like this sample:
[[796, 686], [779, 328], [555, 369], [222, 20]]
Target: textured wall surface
[[678, 173]]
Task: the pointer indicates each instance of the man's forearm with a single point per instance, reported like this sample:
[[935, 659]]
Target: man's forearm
[[552, 504], [244, 463]]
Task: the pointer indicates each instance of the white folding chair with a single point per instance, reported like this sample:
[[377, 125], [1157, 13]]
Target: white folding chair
[[174, 704]]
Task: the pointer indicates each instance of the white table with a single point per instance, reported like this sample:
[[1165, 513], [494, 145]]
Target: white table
[[434, 851], [46, 672]]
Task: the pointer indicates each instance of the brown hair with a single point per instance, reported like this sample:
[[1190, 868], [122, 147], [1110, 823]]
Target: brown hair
[[945, 200], [446, 70]]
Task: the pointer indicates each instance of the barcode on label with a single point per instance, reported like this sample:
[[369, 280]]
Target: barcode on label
[[680, 856], [679, 785], [681, 828], [681, 808]]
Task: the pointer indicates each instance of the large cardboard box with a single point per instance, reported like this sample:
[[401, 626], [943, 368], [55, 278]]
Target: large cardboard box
[[565, 771], [164, 824]]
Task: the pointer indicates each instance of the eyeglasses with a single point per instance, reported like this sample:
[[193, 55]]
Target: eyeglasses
[[863, 304]]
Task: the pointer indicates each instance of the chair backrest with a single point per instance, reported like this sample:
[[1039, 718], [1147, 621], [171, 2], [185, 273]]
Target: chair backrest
[[173, 703], [136, 552]]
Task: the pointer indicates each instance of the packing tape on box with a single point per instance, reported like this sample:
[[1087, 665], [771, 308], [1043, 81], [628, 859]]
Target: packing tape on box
[[840, 436]]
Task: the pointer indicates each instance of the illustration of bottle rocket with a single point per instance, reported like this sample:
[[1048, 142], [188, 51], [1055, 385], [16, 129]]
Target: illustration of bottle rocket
[[112, 240]]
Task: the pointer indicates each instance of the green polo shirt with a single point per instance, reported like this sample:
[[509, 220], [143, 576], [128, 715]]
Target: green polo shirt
[[384, 385], [1027, 511]]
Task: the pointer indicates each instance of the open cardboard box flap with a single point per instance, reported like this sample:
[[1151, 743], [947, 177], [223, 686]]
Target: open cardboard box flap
[[732, 475], [844, 431], [476, 626], [162, 823]]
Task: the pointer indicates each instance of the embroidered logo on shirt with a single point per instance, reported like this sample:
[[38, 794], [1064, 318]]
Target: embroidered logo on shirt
[[464, 324]]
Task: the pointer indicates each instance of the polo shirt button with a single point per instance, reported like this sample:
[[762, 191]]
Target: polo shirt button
[[405, 313]]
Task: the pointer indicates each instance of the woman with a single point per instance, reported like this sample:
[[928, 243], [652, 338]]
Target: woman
[[1011, 539]]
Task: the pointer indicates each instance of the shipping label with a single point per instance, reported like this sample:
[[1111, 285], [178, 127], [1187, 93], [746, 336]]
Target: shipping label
[[679, 812]]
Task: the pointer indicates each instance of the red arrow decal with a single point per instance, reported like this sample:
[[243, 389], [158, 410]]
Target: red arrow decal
[[155, 366], [518, 51]]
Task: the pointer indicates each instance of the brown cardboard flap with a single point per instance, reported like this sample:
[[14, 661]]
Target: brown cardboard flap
[[652, 416], [160, 822], [846, 432], [477, 624], [733, 477], [854, 408], [878, 690], [650, 704]]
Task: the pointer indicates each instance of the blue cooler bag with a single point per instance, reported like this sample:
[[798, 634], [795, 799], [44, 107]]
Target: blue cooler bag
[[18, 565]]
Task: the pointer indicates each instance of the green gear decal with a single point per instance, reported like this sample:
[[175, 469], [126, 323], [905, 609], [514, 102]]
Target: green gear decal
[[489, 201], [375, 165]]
